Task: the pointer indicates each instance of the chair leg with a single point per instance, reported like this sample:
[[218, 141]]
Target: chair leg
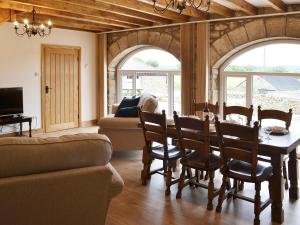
[[201, 174], [181, 182], [206, 176], [241, 186], [210, 189], [174, 166], [165, 166], [145, 174], [222, 194], [169, 178], [197, 175], [285, 177], [257, 203]]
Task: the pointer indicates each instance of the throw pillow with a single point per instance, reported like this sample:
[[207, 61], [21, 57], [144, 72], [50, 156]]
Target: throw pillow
[[128, 112], [150, 104], [129, 102]]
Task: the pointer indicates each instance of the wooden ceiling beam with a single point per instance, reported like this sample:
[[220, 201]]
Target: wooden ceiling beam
[[221, 10], [241, 5], [64, 14], [146, 8], [68, 7], [278, 5], [64, 23], [120, 10], [4, 15]]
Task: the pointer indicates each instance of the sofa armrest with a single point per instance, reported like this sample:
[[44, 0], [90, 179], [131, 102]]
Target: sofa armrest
[[117, 182], [114, 108]]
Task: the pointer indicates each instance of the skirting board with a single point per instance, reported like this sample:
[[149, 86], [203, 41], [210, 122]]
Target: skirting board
[[88, 123]]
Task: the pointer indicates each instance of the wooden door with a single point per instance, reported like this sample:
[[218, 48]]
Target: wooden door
[[60, 87]]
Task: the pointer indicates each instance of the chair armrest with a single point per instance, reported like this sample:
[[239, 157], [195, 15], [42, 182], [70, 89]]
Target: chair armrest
[[114, 108], [117, 182]]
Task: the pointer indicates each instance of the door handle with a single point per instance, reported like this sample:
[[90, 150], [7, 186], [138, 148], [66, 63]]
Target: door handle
[[47, 88]]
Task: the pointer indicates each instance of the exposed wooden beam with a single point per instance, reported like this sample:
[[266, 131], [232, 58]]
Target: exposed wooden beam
[[68, 7], [278, 5], [51, 12], [120, 10], [7, 15], [146, 8], [64, 23], [241, 5], [220, 10]]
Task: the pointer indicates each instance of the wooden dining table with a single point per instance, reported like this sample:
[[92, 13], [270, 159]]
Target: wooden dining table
[[275, 149]]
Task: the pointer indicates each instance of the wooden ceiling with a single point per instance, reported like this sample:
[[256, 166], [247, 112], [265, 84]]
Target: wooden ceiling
[[110, 15]]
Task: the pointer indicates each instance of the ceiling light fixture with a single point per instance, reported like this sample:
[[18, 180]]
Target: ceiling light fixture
[[33, 28], [180, 5]]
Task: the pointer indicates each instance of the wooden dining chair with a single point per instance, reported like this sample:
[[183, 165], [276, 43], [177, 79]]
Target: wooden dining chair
[[239, 110], [193, 134], [286, 117], [239, 149], [213, 108], [155, 132], [199, 107]]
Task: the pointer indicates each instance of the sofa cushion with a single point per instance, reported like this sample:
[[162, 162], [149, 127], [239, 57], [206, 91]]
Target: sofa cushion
[[128, 112], [148, 103], [119, 122], [129, 102], [25, 156]]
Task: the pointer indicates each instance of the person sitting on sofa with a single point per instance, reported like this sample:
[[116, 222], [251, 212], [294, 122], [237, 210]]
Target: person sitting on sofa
[[122, 126]]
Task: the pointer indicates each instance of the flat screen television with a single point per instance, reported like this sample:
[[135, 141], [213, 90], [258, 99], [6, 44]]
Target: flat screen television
[[11, 101]]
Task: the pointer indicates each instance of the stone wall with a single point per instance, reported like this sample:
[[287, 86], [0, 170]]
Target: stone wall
[[227, 38], [121, 44]]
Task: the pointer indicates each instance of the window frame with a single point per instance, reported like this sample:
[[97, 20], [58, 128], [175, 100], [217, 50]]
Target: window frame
[[170, 78], [249, 75]]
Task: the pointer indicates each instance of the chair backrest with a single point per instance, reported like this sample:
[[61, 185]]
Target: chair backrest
[[238, 142], [277, 115], [193, 134], [212, 108], [239, 110], [155, 128]]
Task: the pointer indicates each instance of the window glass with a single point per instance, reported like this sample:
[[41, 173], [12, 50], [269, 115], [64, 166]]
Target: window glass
[[236, 91], [279, 58], [276, 92]]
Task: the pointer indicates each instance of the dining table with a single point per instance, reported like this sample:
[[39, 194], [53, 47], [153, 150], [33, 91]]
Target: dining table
[[275, 148]]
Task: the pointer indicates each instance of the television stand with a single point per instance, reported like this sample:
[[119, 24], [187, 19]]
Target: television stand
[[6, 120]]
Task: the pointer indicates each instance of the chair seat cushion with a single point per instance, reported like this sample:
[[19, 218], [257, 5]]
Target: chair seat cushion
[[158, 152], [197, 160], [242, 171]]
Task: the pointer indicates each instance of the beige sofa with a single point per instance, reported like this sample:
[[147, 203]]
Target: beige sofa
[[56, 181], [125, 133]]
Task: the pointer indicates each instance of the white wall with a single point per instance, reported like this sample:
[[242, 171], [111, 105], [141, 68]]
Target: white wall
[[20, 66]]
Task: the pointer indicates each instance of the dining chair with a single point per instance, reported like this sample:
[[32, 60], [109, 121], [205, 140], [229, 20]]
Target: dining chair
[[212, 108], [286, 117], [242, 111], [239, 110], [239, 149], [193, 134], [156, 147]]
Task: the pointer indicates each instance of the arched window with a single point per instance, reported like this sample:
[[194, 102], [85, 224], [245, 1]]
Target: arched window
[[267, 75], [152, 71]]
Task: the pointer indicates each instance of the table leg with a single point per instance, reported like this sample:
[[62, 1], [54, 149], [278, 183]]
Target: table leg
[[293, 175], [276, 186], [29, 128], [21, 127]]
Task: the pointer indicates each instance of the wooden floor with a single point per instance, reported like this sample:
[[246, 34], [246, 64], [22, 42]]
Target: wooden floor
[[147, 205]]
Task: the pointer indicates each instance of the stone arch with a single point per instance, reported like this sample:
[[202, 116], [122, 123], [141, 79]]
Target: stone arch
[[130, 42], [238, 36]]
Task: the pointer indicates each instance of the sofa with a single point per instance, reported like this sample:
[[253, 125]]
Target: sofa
[[125, 133], [57, 181]]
